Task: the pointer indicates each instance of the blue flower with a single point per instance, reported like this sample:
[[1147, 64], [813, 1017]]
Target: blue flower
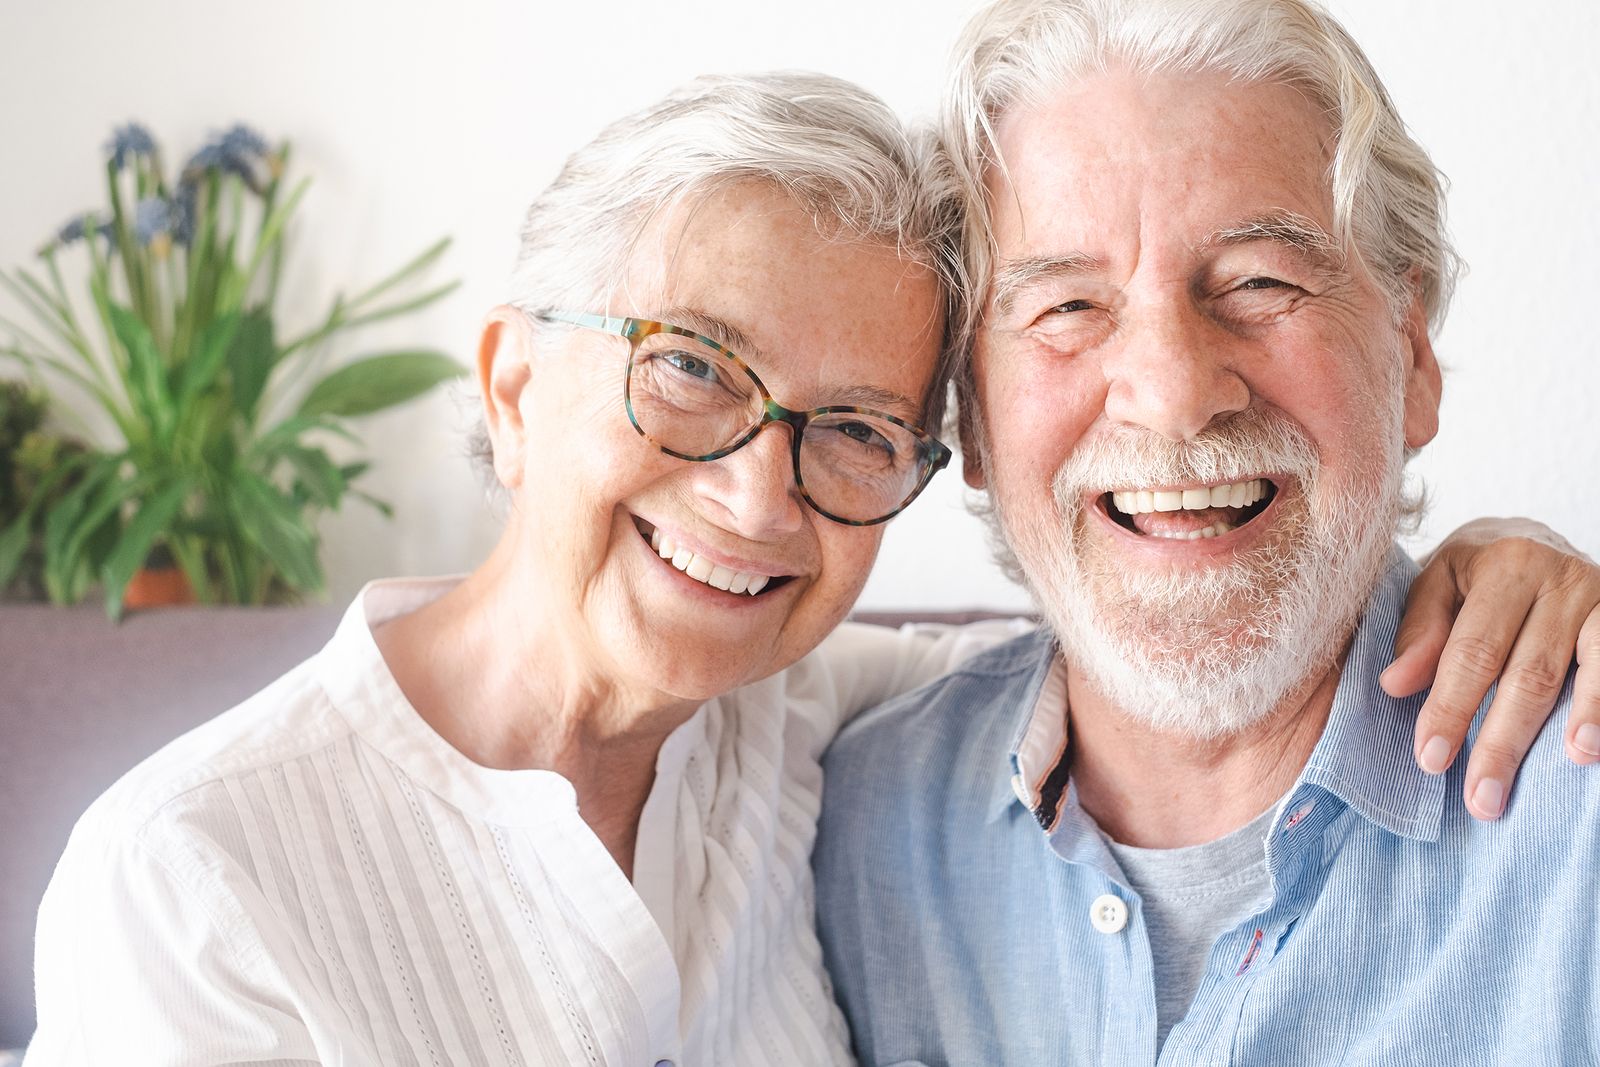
[[183, 213], [129, 140], [73, 230], [153, 217], [237, 151], [243, 142]]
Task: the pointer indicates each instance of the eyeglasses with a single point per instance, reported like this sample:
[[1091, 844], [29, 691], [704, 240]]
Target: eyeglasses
[[694, 399]]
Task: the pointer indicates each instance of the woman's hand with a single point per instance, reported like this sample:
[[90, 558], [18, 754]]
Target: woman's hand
[[1506, 598]]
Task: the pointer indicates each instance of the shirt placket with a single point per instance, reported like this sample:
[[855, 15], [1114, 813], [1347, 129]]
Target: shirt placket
[[1209, 1033]]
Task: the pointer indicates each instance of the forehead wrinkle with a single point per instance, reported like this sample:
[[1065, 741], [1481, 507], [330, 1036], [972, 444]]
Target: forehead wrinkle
[[1015, 275], [1287, 228]]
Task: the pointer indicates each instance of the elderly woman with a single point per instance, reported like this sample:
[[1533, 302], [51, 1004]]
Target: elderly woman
[[560, 811]]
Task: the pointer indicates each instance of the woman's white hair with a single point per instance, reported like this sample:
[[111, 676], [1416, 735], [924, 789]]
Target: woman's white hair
[[839, 151], [1388, 196]]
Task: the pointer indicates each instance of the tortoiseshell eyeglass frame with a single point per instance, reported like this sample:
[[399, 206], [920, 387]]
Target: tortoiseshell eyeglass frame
[[932, 453]]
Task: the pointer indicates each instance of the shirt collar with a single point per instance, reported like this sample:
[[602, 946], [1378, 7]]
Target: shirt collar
[[1364, 756]]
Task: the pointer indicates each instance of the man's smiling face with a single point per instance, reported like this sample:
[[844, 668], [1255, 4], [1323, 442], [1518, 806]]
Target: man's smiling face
[[1194, 397]]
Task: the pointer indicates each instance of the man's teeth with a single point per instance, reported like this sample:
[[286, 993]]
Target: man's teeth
[[1233, 495], [1216, 529], [703, 570]]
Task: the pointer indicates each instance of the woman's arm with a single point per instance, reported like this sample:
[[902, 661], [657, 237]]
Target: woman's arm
[[1505, 600]]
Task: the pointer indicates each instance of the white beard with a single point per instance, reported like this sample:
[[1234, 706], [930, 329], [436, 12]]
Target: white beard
[[1208, 652]]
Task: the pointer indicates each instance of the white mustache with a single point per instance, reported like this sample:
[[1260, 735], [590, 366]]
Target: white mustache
[[1249, 444]]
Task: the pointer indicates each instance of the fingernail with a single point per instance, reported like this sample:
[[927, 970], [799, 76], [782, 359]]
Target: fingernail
[[1489, 797], [1435, 755], [1587, 739]]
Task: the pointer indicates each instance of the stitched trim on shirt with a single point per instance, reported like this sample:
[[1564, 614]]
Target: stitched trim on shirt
[[383, 913], [562, 992], [425, 828]]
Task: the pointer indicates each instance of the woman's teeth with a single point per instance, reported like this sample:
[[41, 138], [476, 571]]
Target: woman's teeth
[[703, 570], [1233, 495]]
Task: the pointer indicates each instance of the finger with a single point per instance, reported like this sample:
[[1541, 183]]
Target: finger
[[1476, 650], [1430, 608], [1534, 675], [1583, 725]]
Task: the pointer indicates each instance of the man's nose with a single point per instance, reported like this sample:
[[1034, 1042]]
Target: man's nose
[[1173, 372], [754, 488]]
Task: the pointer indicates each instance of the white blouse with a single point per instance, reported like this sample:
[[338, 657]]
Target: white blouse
[[318, 877]]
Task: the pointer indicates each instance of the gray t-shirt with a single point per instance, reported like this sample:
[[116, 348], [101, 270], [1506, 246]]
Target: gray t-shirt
[[1192, 896]]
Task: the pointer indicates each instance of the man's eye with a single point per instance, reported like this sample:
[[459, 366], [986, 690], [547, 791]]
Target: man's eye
[[1264, 283], [1071, 306]]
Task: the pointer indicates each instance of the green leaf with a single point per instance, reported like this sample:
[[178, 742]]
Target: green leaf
[[416, 266], [270, 521], [324, 482], [379, 382], [82, 513], [147, 379], [13, 543], [205, 361], [153, 519], [250, 361], [381, 506]]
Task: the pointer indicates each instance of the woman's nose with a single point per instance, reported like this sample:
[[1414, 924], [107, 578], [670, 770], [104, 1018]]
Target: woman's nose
[[754, 488]]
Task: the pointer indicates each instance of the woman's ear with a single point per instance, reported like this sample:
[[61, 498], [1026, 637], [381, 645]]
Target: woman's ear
[[505, 350]]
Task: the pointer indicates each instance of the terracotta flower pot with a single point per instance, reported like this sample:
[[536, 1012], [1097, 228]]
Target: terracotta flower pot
[[157, 587]]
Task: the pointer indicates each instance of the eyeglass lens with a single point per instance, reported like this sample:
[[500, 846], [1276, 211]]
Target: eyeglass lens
[[691, 399]]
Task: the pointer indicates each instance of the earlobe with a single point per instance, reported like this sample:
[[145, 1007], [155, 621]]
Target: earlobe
[[1424, 382], [972, 471], [503, 370]]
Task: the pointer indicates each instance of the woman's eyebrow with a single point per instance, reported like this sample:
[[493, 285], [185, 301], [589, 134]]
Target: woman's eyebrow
[[719, 330], [735, 339]]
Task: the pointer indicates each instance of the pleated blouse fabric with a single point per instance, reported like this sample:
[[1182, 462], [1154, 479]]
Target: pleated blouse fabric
[[317, 877]]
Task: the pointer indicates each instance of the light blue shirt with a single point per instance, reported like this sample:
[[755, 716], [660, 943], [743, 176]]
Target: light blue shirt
[[961, 927]]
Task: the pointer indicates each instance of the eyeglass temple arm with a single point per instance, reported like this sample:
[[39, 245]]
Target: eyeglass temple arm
[[608, 323]]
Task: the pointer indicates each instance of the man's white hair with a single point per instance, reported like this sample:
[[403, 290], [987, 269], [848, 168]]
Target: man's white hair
[[839, 151], [1388, 196]]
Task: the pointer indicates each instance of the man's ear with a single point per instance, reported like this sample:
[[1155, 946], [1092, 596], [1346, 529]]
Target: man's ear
[[967, 433], [1423, 382], [504, 353]]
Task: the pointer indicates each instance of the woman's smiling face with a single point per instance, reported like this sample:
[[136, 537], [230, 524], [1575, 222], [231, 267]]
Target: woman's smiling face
[[822, 321]]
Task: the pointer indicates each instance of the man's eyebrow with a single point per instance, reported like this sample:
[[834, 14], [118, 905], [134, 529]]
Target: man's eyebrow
[[1287, 228], [1015, 275]]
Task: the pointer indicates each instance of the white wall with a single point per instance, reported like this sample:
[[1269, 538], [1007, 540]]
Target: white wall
[[424, 119]]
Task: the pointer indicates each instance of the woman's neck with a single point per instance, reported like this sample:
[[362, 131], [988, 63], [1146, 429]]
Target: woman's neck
[[495, 674]]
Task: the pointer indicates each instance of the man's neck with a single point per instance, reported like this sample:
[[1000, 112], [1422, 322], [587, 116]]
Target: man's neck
[[1157, 789]]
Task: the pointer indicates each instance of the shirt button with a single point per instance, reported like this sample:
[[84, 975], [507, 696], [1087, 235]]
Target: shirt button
[[1108, 914], [663, 1063]]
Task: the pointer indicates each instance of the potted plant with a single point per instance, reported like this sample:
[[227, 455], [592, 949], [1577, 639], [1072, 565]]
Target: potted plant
[[220, 462], [30, 454]]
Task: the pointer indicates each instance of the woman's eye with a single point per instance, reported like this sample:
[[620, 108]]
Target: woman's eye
[[692, 365], [864, 434]]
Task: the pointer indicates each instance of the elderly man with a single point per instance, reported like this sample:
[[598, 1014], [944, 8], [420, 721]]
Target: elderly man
[[1193, 831]]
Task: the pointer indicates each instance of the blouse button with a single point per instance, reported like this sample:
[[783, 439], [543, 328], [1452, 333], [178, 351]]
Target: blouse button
[[1108, 914]]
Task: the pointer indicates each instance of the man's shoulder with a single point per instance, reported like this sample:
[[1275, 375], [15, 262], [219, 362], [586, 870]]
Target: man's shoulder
[[1551, 794], [965, 719]]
